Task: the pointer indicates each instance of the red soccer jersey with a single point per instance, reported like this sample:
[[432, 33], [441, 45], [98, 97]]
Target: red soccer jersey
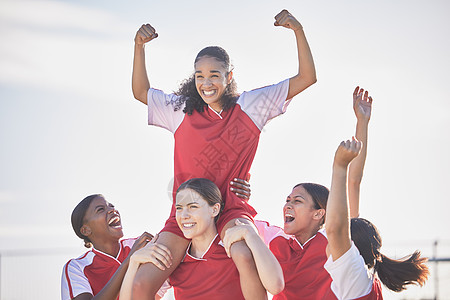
[[216, 146], [304, 274], [90, 272], [213, 276]]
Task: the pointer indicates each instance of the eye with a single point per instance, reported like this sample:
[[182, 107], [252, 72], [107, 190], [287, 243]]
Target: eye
[[199, 77], [178, 208], [215, 76], [100, 209]]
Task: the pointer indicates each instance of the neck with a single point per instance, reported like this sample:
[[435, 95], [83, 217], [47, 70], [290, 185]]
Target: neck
[[201, 244], [304, 236], [216, 107], [111, 248]]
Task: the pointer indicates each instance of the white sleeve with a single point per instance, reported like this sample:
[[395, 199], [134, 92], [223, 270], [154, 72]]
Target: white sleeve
[[351, 278], [265, 103], [164, 288], [161, 110], [73, 281]]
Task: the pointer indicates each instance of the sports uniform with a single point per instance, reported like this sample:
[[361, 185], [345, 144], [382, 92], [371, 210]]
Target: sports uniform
[[90, 272], [217, 146], [304, 274], [212, 276], [351, 277]]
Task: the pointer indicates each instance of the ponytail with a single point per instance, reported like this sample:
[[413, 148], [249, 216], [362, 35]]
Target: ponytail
[[394, 274], [397, 274]]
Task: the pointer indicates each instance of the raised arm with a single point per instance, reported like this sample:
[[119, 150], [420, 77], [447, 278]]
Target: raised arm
[[269, 269], [362, 105], [337, 223], [140, 83], [306, 70], [154, 253]]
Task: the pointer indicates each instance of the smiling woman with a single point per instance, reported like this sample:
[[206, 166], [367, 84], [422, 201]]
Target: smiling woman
[[206, 271], [98, 273], [216, 133]]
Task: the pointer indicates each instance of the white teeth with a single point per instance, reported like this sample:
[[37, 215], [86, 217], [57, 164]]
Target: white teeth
[[188, 225], [288, 215], [114, 220], [209, 93]]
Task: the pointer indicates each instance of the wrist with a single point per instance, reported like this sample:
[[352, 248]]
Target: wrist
[[298, 28]]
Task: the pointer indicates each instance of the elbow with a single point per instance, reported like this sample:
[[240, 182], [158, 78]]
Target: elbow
[[311, 79], [277, 286]]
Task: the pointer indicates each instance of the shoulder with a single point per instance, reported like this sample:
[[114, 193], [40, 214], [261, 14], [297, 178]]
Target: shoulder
[[79, 263]]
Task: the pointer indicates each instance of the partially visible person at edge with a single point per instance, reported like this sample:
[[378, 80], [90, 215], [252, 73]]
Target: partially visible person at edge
[[355, 262], [301, 246], [216, 134], [98, 273], [206, 272]]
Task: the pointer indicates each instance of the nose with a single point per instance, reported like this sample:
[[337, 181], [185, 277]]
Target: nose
[[207, 82], [184, 214], [287, 205]]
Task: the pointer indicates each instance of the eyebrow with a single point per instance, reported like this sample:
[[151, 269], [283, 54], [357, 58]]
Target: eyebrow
[[187, 204], [212, 71]]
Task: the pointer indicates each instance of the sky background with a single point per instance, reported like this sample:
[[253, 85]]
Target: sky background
[[70, 127]]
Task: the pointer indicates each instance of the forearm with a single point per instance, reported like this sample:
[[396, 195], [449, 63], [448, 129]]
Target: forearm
[[306, 70], [356, 168], [127, 284], [112, 288], [269, 269], [337, 219], [140, 83]]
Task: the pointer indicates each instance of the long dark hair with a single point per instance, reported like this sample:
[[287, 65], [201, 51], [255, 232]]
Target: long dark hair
[[319, 195], [77, 218], [394, 274], [188, 90], [207, 189]]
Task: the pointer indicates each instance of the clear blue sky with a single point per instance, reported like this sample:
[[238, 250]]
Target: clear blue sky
[[69, 126]]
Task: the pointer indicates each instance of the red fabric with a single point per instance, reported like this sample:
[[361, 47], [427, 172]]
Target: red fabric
[[214, 276], [304, 274], [375, 293], [207, 146]]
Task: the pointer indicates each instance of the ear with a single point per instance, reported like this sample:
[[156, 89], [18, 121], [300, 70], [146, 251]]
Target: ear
[[86, 230], [319, 214], [216, 209], [230, 77]]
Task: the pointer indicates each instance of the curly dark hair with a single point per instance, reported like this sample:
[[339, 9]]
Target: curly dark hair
[[188, 91]]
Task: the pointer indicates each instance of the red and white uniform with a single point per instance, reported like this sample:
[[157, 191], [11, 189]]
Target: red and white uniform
[[351, 277], [217, 146], [304, 274], [212, 276], [90, 272]]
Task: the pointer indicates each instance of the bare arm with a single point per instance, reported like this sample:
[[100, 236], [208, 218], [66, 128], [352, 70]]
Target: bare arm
[[269, 269], [337, 223], [362, 105], [111, 289], [306, 70], [140, 83], [157, 254]]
